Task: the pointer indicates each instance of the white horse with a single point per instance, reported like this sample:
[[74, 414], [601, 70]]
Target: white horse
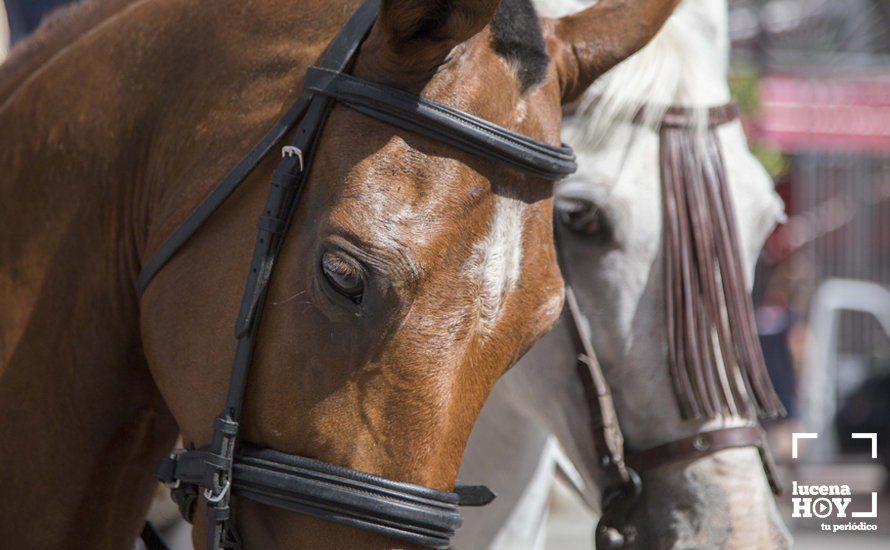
[[721, 501]]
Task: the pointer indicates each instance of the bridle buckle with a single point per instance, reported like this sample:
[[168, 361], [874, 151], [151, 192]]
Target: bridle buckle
[[290, 151], [217, 498], [173, 482]]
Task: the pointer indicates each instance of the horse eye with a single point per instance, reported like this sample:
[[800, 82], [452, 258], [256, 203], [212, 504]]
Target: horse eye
[[585, 218], [343, 275]]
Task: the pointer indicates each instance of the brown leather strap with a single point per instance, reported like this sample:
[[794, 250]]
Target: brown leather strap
[[684, 117], [607, 437], [717, 366], [676, 116], [704, 444], [695, 446], [622, 486]]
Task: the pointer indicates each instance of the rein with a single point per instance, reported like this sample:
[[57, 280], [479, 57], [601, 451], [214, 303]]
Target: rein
[[620, 466], [228, 466]]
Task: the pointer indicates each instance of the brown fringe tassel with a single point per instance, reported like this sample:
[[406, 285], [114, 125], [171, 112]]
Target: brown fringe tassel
[[716, 363]]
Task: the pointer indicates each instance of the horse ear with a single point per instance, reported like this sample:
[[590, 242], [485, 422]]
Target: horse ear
[[593, 41], [420, 33], [407, 21]]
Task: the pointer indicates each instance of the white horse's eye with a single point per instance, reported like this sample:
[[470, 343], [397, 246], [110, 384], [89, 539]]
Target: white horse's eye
[[343, 275], [584, 217]]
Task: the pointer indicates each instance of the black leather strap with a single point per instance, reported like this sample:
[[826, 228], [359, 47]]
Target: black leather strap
[[284, 192], [151, 538], [391, 105], [219, 194], [443, 123], [333, 493]]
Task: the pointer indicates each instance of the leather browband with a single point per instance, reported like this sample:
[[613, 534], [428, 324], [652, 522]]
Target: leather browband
[[443, 123], [686, 117], [676, 116]]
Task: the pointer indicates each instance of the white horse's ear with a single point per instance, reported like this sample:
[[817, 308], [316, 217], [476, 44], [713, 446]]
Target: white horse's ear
[[590, 42]]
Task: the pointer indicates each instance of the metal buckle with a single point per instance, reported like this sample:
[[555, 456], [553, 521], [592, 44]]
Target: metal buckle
[[174, 456], [215, 499], [289, 151]]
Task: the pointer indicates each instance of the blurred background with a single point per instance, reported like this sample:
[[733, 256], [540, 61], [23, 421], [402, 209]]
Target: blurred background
[[812, 78]]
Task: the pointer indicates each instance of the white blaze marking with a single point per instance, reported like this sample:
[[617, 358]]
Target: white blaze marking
[[497, 260]]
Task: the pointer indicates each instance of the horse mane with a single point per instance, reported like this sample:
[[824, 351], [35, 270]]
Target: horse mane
[[60, 29], [670, 70]]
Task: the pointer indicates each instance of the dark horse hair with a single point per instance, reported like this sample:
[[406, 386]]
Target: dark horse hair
[[518, 38]]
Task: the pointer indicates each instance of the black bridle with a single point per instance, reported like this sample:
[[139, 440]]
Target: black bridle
[[228, 466]]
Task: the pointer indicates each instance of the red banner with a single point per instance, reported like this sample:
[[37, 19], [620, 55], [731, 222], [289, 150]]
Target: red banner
[[818, 114]]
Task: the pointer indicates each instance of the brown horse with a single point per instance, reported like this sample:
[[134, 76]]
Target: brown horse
[[117, 119]]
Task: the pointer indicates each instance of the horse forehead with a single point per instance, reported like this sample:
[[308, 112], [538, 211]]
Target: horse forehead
[[463, 227], [410, 186]]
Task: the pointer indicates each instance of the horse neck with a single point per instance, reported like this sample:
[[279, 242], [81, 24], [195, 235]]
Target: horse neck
[[60, 28], [98, 171], [82, 420]]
